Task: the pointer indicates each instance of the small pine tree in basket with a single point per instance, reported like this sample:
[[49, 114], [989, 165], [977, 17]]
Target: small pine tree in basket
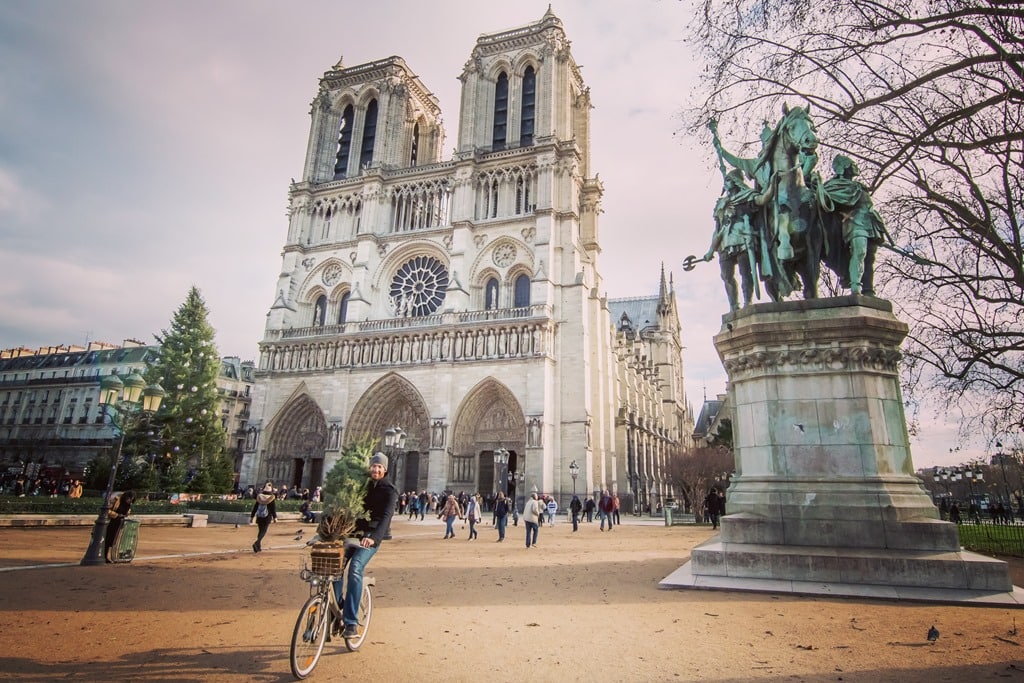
[[344, 490]]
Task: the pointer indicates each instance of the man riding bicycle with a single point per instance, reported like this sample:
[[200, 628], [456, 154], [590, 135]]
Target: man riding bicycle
[[380, 501]]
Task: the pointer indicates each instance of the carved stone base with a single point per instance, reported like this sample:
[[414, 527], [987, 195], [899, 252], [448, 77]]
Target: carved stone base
[[825, 488]]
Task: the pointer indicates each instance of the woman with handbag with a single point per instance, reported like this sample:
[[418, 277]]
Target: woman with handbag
[[450, 512]]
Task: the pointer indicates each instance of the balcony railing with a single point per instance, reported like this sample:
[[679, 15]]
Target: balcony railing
[[424, 322], [511, 333]]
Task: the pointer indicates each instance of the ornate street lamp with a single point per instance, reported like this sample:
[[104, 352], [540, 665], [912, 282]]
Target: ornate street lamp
[[394, 443], [500, 463], [136, 401], [574, 471]]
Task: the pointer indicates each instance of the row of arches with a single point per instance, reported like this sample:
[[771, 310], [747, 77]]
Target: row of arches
[[489, 417], [504, 192]]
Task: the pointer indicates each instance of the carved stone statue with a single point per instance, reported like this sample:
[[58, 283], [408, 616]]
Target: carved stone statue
[[852, 217], [735, 238], [791, 239], [781, 230]]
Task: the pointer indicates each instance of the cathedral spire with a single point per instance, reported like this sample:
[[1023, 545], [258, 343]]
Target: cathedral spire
[[664, 299]]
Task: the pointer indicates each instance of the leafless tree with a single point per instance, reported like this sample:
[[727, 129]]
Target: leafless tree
[[926, 96], [694, 472]]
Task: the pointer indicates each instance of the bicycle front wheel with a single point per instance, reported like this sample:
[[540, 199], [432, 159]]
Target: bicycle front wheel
[[309, 636], [365, 610]]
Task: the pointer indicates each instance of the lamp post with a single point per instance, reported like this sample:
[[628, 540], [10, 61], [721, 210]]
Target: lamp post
[[574, 471], [129, 400], [500, 464], [650, 501], [394, 442]]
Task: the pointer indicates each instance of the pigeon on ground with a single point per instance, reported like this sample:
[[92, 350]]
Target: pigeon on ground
[[298, 536], [933, 634]]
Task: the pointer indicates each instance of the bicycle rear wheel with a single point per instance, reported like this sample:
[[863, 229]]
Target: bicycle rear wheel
[[365, 610], [309, 636]]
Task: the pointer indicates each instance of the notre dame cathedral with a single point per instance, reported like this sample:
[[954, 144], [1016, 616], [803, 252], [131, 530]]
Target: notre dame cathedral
[[460, 300]]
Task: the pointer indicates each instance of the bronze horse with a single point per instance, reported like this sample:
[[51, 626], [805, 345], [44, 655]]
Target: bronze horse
[[793, 236]]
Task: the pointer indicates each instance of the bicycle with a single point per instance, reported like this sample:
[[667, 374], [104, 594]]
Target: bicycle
[[322, 614]]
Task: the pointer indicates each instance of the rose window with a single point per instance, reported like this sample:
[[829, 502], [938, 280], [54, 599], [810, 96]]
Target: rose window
[[504, 255], [418, 287], [332, 274]]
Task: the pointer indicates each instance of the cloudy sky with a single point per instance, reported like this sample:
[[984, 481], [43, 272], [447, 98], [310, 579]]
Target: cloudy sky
[[148, 146]]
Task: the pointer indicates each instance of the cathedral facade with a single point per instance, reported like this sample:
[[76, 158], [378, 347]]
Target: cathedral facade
[[460, 300]]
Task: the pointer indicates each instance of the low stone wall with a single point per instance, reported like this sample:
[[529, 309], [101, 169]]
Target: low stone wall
[[240, 518], [188, 520]]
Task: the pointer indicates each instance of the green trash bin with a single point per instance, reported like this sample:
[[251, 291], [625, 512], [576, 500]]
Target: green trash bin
[[126, 542], [668, 516]]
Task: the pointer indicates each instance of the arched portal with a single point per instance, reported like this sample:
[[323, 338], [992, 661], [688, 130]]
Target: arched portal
[[489, 418], [295, 451], [393, 401]]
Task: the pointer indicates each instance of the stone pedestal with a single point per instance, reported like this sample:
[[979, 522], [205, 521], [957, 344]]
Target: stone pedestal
[[825, 488]]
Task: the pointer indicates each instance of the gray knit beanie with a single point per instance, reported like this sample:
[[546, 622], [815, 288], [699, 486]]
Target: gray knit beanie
[[379, 459]]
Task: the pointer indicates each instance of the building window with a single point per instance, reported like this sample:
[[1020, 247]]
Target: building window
[[491, 294], [415, 145], [369, 135], [500, 111], [522, 291], [344, 143], [84, 417], [343, 308], [528, 108]]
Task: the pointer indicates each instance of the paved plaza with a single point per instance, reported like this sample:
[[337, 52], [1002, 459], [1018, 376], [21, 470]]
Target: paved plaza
[[195, 606]]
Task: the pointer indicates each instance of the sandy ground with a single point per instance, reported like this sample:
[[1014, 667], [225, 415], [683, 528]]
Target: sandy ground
[[583, 606]]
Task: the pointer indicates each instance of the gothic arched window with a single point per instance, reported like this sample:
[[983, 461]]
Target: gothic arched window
[[319, 311], [521, 292], [500, 111], [343, 307], [528, 108], [369, 135], [415, 144], [344, 143], [491, 294]]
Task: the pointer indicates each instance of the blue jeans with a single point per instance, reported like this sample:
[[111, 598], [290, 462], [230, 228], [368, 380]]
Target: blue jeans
[[358, 560], [502, 523], [531, 533], [449, 529]]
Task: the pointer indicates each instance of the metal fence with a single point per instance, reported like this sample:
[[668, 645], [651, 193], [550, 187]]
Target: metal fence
[[991, 537]]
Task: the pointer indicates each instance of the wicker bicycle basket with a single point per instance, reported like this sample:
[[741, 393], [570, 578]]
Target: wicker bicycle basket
[[326, 558]]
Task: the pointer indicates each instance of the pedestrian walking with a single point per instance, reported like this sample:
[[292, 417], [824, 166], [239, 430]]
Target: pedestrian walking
[[574, 509], [449, 513], [501, 515], [552, 510], [264, 511], [473, 515], [533, 512]]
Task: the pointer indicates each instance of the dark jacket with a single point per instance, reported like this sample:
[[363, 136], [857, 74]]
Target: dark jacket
[[268, 500], [380, 501]]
